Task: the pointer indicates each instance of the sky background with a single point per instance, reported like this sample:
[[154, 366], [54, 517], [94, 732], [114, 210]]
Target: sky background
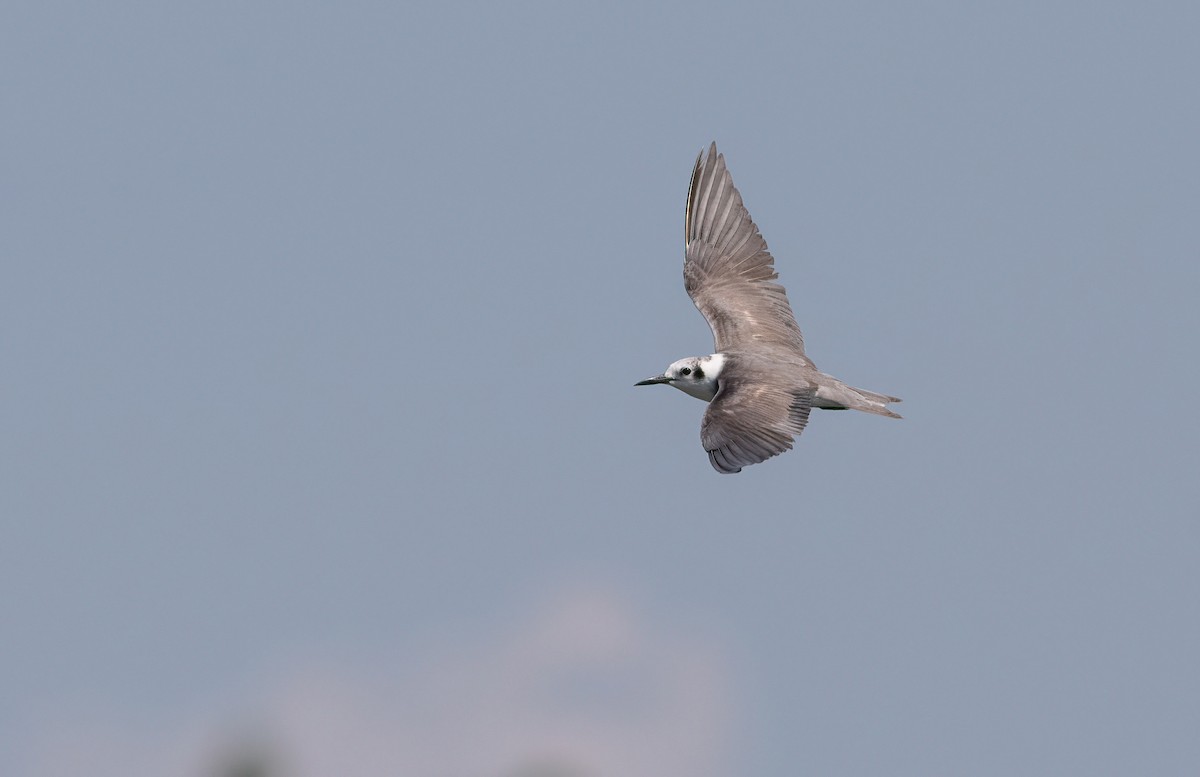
[[319, 443]]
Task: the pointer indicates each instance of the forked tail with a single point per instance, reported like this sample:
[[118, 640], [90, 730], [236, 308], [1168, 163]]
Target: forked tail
[[832, 394]]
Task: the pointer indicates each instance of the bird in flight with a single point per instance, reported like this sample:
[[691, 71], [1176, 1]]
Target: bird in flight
[[759, 385]]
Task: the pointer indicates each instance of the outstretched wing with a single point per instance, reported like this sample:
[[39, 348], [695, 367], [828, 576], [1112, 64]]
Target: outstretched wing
[[727, 269], [750, 420]]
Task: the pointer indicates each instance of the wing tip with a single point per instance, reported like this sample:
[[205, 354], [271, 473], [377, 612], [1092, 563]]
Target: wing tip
[[721, 463]]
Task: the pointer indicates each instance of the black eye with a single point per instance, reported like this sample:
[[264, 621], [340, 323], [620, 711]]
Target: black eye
[[686, 371]]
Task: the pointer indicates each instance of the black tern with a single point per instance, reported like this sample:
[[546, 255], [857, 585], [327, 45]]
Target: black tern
[[759, 385]]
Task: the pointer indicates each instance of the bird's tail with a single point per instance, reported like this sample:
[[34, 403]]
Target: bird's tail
[[832, 394]]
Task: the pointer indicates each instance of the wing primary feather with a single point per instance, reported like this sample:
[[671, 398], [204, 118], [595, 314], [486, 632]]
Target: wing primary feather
[[726, 229], [712, 173], [689, 217], [720, 209], [717, 458]]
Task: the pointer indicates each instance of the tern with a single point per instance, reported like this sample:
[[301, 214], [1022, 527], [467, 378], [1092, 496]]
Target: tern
[[759, 385]]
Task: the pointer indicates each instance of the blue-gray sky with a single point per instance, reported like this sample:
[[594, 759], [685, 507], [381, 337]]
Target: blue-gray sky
[[320, 323]]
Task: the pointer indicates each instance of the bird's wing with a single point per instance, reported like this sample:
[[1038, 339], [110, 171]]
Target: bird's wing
[[750, 420], [727, 269]]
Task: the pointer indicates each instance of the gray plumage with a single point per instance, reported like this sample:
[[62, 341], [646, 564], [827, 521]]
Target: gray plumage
[[760, 385], [727, 269]]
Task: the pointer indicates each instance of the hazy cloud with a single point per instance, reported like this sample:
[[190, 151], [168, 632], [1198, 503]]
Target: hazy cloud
[[584, 686]]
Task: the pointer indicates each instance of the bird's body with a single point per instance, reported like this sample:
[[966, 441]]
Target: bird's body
[[759, 384]]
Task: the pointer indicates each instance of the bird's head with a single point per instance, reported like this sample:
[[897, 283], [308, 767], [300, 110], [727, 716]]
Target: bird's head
[[695, 375]]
